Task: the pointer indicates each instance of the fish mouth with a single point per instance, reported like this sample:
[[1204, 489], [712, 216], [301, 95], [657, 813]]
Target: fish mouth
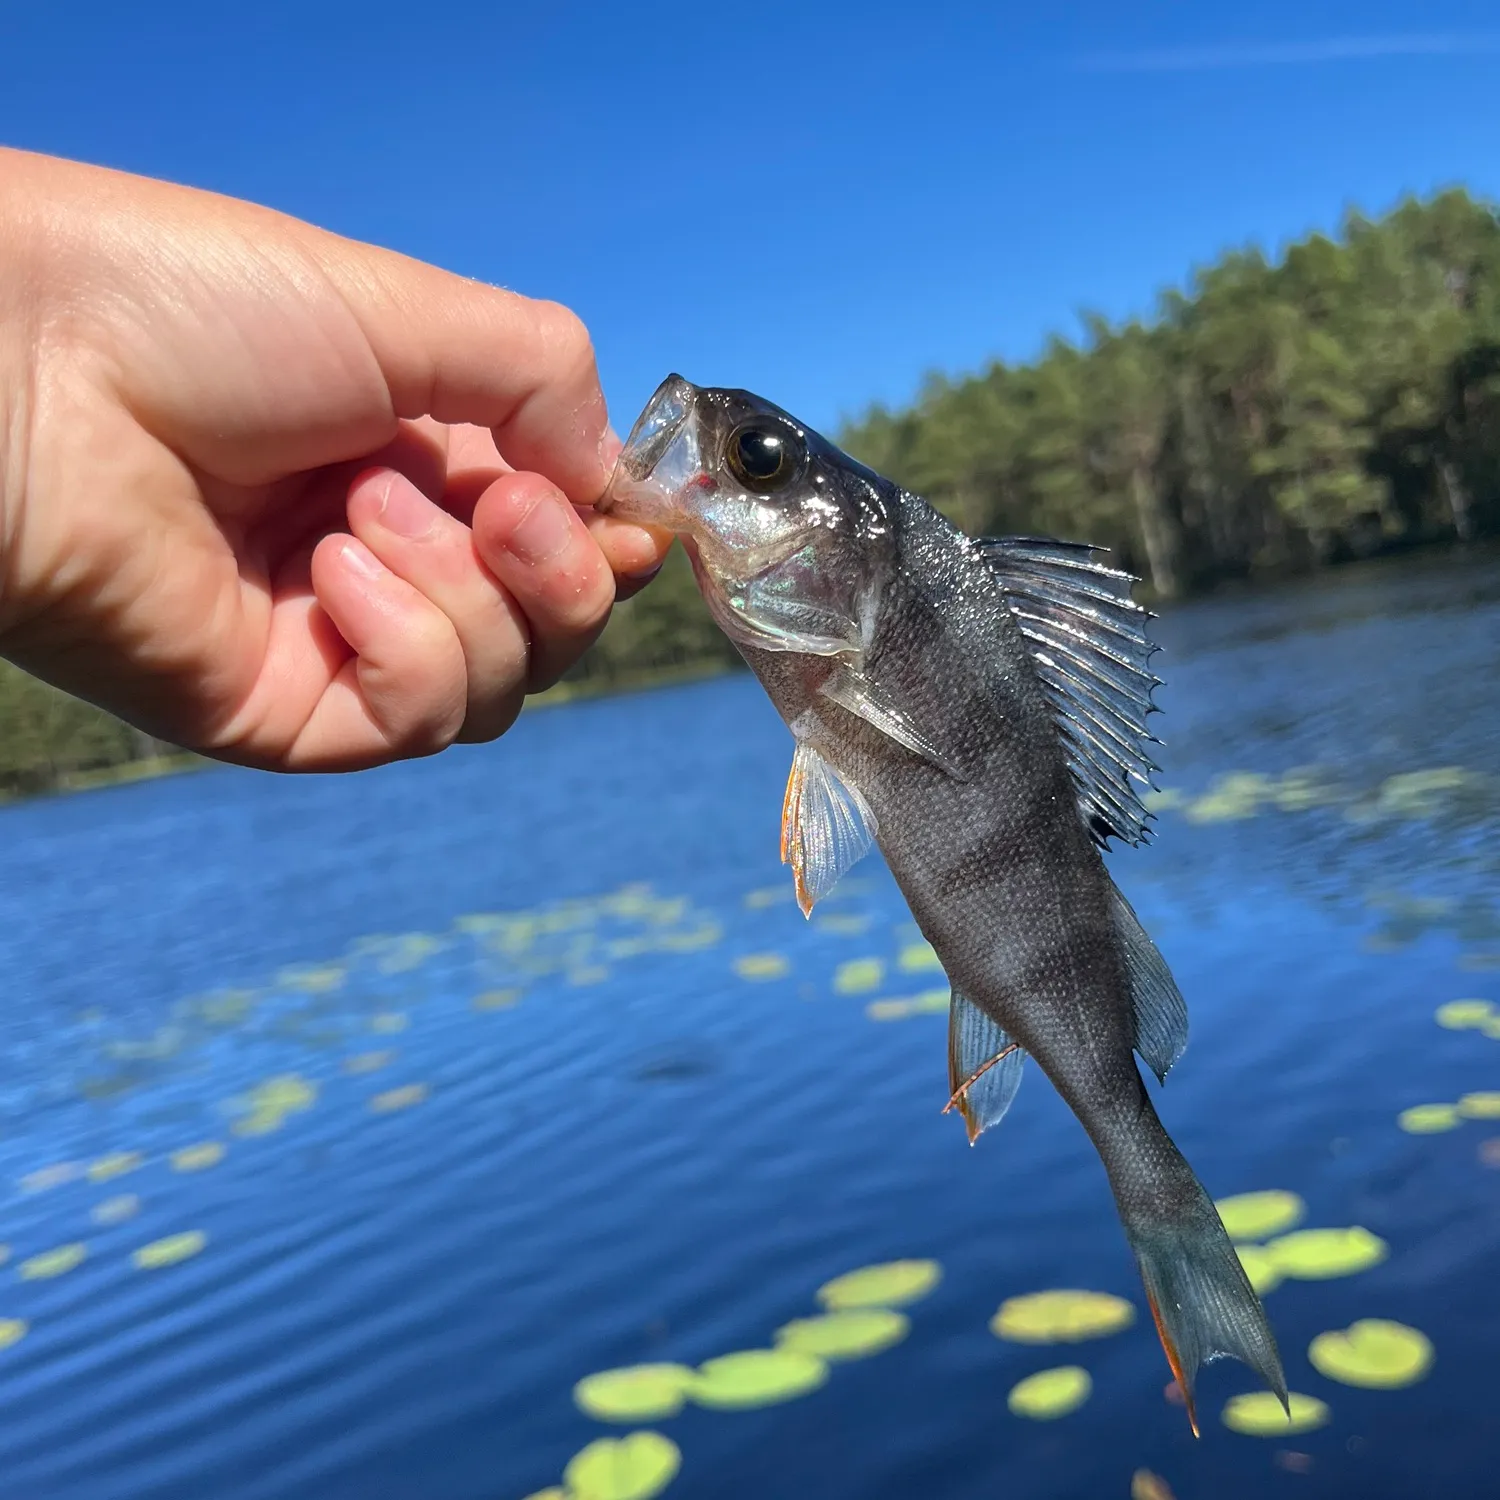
[[660, 458]]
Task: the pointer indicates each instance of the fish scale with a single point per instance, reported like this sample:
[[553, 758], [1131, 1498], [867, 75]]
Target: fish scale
[[978, 710]]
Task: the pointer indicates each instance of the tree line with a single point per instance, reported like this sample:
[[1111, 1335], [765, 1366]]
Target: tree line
[[1272, 416]]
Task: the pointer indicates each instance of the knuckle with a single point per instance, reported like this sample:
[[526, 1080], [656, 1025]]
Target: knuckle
[[567, 336]]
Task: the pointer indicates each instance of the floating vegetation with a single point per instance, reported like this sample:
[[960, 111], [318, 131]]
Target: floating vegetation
[[1374, 1353], [52, 1263], [552, 1492], [116, 1164], [269, 1103], [761, 966], [198, 1158], [1050, 1393], [497, 999], [634, 1393], [1465, 1015], [636, 1467], [929, 1002], [919, 958], [893, 1283], [116, 1210], [756, 1377], [368, 1062], [588, 974], [1428, 1119], [770, 895], [321, 979], [1483, 1106], [169, 1251], [1144, 1485], [388, 1022], [12, 1331], [1317, 1254], [44, 1178], [407, 952], [1254, 1216], [1261, 1268], [850, 1334], [401, 1098], [843, 924], [1260, 1414], [1239, 794], [858, 975], [1061, 1317]]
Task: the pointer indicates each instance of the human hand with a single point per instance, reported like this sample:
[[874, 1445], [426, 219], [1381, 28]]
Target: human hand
[[279, 497]]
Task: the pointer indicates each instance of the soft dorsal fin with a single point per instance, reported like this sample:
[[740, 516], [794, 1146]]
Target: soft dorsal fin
[[1161, 1019], [984, 1066], [1089, 643], [826, 826]]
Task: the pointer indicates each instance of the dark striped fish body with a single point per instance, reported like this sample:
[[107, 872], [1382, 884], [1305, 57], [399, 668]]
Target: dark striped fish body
[[976, 708]]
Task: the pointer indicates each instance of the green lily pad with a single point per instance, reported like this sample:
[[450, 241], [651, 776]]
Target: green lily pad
[[52, 1263], [761, 966], [636, 1467], [1484, 1106], [1254, 1216], [1427, 1119], [1373, 1353], [1061, 1317], [1464, 1015], [635, 1393], [756, 1377], [858, 975], [1259, 1414], [169, 1251], [1317, 1254], [1050, 1393], [891, 1284], [919, 958], [1260, 1266], [12, 1331], [850, 1334]]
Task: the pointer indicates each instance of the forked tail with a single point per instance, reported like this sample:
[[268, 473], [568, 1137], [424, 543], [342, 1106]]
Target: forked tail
[[1202, 1300]]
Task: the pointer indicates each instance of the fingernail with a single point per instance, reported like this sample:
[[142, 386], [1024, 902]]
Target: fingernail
[[610, 447], [362, 561], [645, 575], [404, 510], [542, 532]]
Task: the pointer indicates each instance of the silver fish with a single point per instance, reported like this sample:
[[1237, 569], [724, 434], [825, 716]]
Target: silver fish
[[978, 709]]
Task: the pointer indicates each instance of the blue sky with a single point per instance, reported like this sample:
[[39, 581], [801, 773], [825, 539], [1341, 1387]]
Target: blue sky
[[821, 202]]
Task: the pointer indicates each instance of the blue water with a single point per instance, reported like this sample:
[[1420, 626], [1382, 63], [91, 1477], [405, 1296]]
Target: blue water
[[634, 1153]]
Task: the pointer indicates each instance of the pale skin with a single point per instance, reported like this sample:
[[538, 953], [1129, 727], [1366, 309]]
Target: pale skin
[[282, 498]]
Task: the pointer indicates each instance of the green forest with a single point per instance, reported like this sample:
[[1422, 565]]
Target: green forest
[[1273, 416]]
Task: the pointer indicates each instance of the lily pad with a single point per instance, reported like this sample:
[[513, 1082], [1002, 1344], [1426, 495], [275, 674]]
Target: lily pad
[[168, 1251], [634, 1393], [52, 1263], [1260, 1266], [402, 1098], [1464, 1015], [1254, 1216], [850, 1334], [635, 1467], [919, 958], [116, 1210], [12, 1331], [756, 1377], [198, 1158], [1374, 1353], [1428, 1119], [858, 975], [116, 1164], [893, 1283], [761, 966], [1485, 1106], [1317, 1254], [1259, 1414], [1050, 1393], [1061, 1317]]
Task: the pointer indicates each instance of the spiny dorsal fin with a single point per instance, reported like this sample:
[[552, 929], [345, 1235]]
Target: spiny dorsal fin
[[1161, 1019], [826, 826], [973, 1040], [1089, 643]]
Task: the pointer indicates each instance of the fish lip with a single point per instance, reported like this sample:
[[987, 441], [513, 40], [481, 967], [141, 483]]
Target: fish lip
[[660, 421]]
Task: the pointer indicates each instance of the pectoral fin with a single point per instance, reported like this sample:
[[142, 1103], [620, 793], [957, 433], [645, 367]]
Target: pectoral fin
[[864, 698], [826, 826], [984, 1067]]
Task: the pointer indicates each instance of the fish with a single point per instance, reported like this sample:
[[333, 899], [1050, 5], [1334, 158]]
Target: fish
[[977, 709]]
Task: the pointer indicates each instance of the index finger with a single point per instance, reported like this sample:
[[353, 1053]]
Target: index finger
[[463, 352]]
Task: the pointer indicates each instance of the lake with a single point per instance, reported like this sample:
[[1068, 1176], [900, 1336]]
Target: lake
[[347, 1123]]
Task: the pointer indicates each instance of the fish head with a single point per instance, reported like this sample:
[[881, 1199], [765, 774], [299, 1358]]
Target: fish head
[[785, 531]]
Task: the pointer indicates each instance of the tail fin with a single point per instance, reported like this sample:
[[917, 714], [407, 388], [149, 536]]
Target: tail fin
[[1202, 1300]]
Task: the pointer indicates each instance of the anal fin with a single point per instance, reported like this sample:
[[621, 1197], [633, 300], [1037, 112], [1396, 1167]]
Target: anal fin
[[984, 1067], [826, 826]]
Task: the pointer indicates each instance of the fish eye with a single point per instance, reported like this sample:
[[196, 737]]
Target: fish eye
[[762, 457]]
